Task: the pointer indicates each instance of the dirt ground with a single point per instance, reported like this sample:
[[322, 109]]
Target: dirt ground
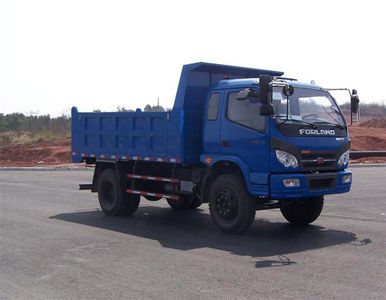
[[365, 136], [369, 135], [57, 153]]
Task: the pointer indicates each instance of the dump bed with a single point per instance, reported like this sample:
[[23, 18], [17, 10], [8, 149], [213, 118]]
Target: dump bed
[[127, 135], [174, 136]]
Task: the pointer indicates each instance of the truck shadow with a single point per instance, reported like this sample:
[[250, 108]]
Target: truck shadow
[[185, 230]]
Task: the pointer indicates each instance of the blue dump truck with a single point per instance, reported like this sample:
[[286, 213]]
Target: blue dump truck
[[240, 139]]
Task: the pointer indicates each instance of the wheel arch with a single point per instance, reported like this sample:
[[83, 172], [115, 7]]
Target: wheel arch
[[225, 166]]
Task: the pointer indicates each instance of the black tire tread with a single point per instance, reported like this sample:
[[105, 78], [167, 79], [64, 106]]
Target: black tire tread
[[124, 204], [180, 204], [302, 212], [247, 209], [195, 203]]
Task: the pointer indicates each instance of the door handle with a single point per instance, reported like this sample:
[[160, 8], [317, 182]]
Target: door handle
[[225, 143]]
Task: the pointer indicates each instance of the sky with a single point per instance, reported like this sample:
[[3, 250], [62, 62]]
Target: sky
[[105, 54]]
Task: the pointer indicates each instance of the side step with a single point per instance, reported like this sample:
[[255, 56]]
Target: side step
[[143, 193]]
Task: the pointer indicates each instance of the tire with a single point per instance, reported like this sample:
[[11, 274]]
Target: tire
[[231, 208], [196, 202], [152, 198], [183, 203], [302, 211], [113, 199]]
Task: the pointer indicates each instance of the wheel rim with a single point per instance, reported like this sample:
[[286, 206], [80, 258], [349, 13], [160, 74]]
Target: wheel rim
[[108, 194], [226, 205]]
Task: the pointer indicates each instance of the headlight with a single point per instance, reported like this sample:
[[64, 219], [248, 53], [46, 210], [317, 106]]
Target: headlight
[[287, 159], [343, 159]]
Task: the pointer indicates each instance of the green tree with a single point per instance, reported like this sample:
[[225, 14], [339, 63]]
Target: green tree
[[156, 108]]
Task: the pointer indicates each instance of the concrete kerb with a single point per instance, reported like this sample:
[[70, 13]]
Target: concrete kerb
[[45, 169], [366, 165]]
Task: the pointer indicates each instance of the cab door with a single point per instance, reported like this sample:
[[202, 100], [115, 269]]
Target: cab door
[[245, 134]]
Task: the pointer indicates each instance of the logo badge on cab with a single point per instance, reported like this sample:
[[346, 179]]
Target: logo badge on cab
[[320, 161]]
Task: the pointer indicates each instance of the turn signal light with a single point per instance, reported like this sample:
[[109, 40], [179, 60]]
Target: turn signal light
[[346, 179], [291, 182]]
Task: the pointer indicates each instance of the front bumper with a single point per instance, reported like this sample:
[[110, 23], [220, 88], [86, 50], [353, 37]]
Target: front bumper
[[310, 184]]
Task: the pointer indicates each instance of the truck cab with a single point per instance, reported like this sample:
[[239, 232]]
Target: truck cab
[[298, 150]]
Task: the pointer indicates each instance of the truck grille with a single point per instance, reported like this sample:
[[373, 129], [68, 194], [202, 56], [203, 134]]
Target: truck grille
[[318, 160]]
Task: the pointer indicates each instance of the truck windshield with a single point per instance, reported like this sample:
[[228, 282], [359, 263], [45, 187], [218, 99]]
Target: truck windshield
[[308, 106]]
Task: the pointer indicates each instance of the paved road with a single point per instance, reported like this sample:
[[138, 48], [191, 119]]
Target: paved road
[[57, 244]]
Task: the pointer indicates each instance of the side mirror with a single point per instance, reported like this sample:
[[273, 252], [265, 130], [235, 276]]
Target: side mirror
[[264, 81], [354, 101], [288, 90], [243, 94], [266, 109]]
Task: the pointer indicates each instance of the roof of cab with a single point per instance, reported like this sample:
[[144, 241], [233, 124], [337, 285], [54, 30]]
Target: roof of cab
[[234, 83], [242, 83]]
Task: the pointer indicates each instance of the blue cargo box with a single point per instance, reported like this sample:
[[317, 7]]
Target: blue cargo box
[[127, 135]]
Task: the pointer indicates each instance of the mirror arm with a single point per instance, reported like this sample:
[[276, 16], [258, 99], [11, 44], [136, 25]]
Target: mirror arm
[[351, 112]]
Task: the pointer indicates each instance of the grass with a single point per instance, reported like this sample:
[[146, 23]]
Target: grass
[[11, 138]]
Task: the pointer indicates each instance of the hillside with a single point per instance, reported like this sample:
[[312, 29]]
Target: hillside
[[56, 152], [41, 140], [22, 150]]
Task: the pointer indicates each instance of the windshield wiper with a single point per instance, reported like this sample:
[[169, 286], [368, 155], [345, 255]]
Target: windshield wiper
[[331, 123], [335, 110], [313, 125]]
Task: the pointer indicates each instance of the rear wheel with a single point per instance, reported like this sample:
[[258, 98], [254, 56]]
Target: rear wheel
[[230, 206], [196, 202], [184, 202], [303, 211], [152, 198], [113, 199]]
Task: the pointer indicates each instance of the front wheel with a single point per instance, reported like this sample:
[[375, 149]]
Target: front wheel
[[230, 206], [302, 211], [113, 199]]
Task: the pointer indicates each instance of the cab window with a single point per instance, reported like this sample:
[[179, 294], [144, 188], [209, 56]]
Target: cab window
[[245, 112], [213, 106]]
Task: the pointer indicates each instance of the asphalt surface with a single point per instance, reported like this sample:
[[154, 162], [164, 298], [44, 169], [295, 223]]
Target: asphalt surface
[[55, 243]]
